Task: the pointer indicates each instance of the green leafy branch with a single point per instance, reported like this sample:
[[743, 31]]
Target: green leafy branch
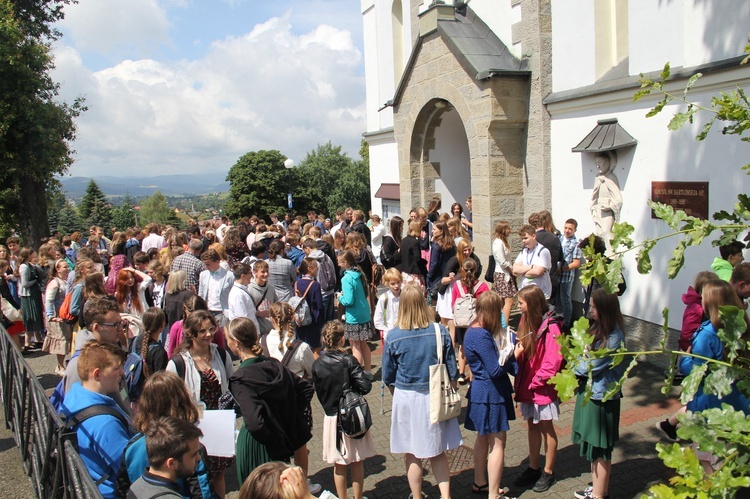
[[731, 108]]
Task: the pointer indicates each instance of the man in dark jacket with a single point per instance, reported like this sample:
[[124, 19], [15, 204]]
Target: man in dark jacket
[[360, 226]]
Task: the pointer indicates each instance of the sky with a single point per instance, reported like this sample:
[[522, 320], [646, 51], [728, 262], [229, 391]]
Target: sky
[[185, 86]]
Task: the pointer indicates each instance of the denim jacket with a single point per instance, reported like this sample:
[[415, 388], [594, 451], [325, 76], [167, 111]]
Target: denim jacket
[[408, 355], [601, 369]]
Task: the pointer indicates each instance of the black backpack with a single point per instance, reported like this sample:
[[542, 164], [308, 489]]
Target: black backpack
[[353, 419]]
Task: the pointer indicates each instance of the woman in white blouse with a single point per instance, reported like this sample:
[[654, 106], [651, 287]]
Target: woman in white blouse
[[504, 282]]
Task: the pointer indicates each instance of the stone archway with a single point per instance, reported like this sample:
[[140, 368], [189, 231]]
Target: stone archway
[[494, 115]]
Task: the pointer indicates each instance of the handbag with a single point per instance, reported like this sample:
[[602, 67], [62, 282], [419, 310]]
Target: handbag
[[10, 312], [445, 402], [489, 276]]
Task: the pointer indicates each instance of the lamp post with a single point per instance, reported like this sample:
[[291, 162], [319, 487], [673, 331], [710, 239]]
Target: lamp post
[[289, 165]]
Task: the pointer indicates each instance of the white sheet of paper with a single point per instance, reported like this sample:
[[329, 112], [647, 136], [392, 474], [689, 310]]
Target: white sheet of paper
[[218, 432]]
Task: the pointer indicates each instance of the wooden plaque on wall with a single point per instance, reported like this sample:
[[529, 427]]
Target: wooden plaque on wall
[[690, 197]]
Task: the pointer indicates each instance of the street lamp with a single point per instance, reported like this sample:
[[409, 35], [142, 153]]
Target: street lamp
[[289, 165]]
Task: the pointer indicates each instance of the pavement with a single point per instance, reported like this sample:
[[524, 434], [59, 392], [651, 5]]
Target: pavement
[[635, 464]]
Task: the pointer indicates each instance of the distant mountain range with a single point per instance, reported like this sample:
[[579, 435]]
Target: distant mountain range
[[169, 185]]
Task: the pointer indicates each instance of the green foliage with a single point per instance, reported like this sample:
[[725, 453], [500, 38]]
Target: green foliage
[[259, 183], [344, 182], [123, 216], [156, 209], [55, 203], [36, 129], [324, 181], [94, 208], [69, 221]]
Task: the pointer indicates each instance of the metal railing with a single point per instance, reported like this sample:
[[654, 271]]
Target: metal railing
[[49, 456]]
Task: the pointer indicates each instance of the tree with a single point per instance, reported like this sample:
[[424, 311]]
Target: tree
[[94, 208], [725, 432], [35, 128], [68, 220], [331, 180], [55, 205], [258, 184], [156, 209], [123, 216]]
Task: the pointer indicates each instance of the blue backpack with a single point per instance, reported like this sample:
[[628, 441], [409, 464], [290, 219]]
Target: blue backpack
[[133, 368]]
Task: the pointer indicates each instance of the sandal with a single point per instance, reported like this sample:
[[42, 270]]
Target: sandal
[[480, 489]]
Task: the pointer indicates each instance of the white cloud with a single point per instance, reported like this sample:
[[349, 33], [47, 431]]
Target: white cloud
[[107, 26], [268, 89]]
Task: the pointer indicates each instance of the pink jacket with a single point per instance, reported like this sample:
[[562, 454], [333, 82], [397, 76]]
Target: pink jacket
[[692, 317], [531, 383]]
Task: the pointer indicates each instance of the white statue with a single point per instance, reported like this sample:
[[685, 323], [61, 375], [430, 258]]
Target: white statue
[[606, 200]]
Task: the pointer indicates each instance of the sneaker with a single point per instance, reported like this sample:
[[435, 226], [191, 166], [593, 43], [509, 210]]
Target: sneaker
[[588, 493], [528, 477], [667, 429], [60, 371], [585, 493], [545, 482], [314, 488]]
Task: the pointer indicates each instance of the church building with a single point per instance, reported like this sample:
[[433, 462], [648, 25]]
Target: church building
[[511, 101]]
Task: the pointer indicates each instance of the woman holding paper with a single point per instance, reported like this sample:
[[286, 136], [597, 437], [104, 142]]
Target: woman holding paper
[[206, 370], [272, 401]]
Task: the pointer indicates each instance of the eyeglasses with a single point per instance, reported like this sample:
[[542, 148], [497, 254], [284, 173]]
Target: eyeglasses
[[116, 325], [210, 330]]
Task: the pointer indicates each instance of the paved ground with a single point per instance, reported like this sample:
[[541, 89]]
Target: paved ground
[[635, 468]]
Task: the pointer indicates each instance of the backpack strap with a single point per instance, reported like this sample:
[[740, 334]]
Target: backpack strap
[[290, 352], [95, 410], [223, 355], [179, 364], [296, 291], [261, 298], [476, 287]]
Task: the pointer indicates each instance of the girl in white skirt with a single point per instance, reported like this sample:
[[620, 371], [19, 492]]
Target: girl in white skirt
[[410, 350], [330, 371]]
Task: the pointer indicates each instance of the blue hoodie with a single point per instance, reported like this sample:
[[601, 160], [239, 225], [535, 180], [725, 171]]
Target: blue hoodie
[[101, 439], [296, 255], [706, 343]]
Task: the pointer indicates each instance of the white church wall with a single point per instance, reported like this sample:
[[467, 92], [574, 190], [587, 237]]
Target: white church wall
[[660, 155], [573, 44], [650, 21]]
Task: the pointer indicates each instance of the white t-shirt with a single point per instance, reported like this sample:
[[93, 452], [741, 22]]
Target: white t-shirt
[[301, 361], [539, 257]]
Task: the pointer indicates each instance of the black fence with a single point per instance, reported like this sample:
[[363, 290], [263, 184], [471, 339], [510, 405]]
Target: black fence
[[49, 455]]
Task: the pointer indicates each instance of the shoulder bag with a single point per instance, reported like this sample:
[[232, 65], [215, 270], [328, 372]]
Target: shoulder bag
[[445, 402]]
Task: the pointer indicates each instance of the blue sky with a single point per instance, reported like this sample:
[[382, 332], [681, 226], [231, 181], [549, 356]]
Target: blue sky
[[181, 86]]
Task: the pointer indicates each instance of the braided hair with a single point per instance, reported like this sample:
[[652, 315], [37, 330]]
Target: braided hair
[[283, 313]]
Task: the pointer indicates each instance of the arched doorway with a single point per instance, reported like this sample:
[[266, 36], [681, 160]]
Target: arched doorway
[[439, 145]]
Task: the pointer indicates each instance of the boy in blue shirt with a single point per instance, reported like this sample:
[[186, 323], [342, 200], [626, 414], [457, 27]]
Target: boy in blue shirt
[[102, 428]]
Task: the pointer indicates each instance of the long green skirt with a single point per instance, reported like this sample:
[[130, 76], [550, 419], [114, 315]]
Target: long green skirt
[[250, 454], [596, 427]]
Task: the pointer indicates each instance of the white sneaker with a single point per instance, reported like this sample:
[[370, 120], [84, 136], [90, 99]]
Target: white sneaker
[[314, 488], [583, 494]]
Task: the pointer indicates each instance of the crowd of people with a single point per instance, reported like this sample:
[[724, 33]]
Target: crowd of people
[[153, 327]]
